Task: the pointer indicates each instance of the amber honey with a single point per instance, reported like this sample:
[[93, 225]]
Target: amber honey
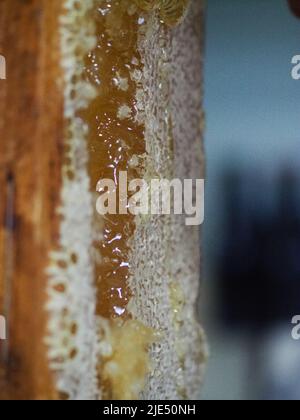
[[115, 136], [114, 139]]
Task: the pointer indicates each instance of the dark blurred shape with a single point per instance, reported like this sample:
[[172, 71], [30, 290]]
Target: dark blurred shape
[[295, 6], [260, 264]]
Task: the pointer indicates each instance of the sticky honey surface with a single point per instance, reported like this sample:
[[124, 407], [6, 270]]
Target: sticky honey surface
[[126, 363], [115, 138]]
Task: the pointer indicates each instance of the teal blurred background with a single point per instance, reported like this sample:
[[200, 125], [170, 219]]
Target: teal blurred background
[[252, 196]]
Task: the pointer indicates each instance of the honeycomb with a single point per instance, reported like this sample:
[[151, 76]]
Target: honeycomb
[[116, 60]]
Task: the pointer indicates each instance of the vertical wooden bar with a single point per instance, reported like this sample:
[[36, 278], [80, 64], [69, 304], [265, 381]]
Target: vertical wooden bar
[[31, 138]]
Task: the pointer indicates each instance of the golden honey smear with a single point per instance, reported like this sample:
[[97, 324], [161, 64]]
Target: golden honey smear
[[116, 143], [171, 11], [127, 363], [114, 139]]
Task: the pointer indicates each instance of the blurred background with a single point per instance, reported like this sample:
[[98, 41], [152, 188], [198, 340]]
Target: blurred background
[[252, 227]]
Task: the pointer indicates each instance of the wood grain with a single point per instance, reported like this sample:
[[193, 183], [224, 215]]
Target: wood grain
[[31, 149]]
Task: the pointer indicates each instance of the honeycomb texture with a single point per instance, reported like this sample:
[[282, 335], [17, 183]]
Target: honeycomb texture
[[72, 338], [164, 255]]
